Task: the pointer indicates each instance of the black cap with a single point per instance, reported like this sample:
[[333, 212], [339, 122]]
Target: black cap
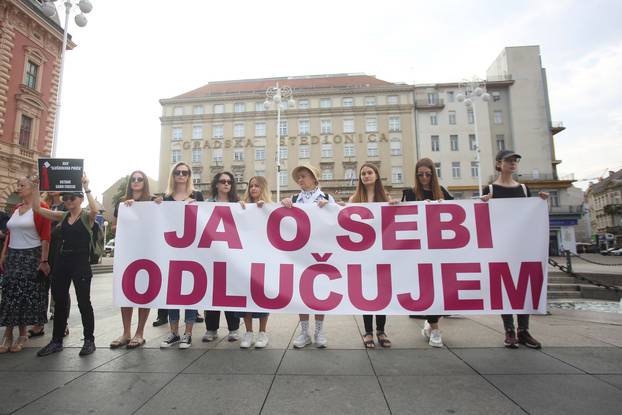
[[77, 194], [506, 154]]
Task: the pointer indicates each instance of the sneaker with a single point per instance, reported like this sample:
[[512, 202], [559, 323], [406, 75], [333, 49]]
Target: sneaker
[[87, 348], [234, 335], [170, 340], [525, 339], [320, 340], [426, 331], [159, 323], [435, 338], [247, 340], [210, 336], [51, 347], [302, 340], [185, 341], [510, 339], [262, 340]]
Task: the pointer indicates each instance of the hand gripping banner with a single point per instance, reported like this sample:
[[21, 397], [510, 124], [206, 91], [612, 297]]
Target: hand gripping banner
[[458, 257]]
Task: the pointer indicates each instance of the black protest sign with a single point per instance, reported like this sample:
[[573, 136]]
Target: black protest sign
[[61, 175]]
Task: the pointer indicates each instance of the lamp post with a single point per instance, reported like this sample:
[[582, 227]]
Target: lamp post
[[471, 89], [49, 9], [278, 95]]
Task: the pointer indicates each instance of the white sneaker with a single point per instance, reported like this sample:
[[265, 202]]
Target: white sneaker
[[426, 331], [302, 340], [186, 341], [320, 340], [247, 340], [210, 336], [233, 335], [262, 340], [435, 338]]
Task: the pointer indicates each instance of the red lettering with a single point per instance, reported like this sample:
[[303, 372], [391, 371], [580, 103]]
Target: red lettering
[[530, 273], [436, 226], [482, 225], [221, 298], [229, 234], [306, 287], [368, 236], [199, 285], [383, 282], [303, 228], [452, 286], [286, 287], [426, 291], [390, 227], [190, 228], [128, 281]]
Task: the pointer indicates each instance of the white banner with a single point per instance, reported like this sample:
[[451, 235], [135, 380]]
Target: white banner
[[434, 258]]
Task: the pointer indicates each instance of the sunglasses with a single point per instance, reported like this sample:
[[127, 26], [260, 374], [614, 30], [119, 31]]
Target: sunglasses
[[68, 198], [224, 181], [424, 174], [184, 173], [137, 180]]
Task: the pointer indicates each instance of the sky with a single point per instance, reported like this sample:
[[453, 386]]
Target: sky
[[134, 53]]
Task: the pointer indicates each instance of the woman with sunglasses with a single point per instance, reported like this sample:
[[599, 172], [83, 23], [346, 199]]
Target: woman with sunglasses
[[137, 190], [223, 190], [24, 257], [72, 266], [428, 188], [506, 163], [181, 189]]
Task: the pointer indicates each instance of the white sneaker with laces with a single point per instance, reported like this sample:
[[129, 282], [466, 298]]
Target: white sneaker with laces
[[302, 340], [320, 340], [210, 336], [435, 338], [262, 340], [247, 340], [426, 331], [233, 335], [186, 341]]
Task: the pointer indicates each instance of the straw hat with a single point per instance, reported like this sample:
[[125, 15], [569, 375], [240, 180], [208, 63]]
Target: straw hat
[[315, 172]]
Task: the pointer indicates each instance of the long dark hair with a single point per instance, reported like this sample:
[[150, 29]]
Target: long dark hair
[[360, 194], [233, 195], [437, 193], [146, 195]]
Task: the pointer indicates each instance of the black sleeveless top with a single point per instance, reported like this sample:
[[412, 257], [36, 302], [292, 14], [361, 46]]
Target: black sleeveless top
[[75, 238]]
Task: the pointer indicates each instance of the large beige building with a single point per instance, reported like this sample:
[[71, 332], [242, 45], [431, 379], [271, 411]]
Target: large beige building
[[341, 121], [604, 199]]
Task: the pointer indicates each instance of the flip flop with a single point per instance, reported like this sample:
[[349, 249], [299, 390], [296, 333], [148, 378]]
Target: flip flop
[[120, 342], [134, 343], [369, 344]]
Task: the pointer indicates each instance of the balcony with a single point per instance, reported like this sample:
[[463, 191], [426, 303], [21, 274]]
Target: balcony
[[613, 209], [557, 127], [424, 104], [499, 78], [566, 209]]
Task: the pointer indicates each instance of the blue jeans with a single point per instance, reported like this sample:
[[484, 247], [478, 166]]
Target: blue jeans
[[190, 316]]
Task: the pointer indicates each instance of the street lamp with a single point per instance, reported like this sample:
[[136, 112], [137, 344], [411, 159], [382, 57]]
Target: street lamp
[[49, 9], [278, 95], [471, 89], [105, 231]]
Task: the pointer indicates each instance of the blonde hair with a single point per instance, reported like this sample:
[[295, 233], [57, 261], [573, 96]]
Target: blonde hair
[[170, 189], [265, 191]]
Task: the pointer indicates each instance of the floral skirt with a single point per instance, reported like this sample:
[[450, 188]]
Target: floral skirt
[[24, 299]]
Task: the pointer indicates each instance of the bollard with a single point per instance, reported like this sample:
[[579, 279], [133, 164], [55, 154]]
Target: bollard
[[568, 261]]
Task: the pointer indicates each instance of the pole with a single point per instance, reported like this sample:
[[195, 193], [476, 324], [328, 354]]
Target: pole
[[477, 151], [278, 145], [60, 79]]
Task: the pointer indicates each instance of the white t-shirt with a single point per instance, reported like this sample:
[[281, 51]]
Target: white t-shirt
[[23, 232]]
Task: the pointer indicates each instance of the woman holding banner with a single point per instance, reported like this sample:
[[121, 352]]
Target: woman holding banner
[[223, 190], [428, 188], [369, 189], [24, 261], [506, 163], [137, 190]]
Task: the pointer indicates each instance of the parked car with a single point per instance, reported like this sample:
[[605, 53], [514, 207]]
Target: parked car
[[617, 252], [109, 248], [608, 251]]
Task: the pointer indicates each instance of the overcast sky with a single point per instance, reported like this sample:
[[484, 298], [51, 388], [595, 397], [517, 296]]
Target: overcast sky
[[133, 53]]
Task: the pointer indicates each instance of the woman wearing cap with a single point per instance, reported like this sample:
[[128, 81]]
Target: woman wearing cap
[[24, 258], [306, 176], [506, 163], [181, 189], [223, 190], [427, 187], [137, 190], [72, 265]]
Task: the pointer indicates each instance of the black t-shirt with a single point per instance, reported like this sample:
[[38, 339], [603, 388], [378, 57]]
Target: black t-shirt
[[409, 195], [504, 192], [198, 196]]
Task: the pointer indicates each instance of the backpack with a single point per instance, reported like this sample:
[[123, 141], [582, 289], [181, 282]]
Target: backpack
[[96, 237]]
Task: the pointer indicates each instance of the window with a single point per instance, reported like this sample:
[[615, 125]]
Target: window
[[370, 101], [259, 107], [260, 129], [433, 118], [284, 152], [436, 144], [393, 100], [219, 108], [238, 155], [260, 153], [396, 147], [372, 149], [32, 71], [327, 174], [472, 142], [217, 155], [453, 142], [239, 107], [458, 195], [304, 152], [500, 142], [325, 103], [496, 96], [218, 131], [303, 104], [350, 174], [474, 169], [198, 110], [196, 174], [437, 166], [196, 155], [348, 150], [304, 127], [260, 173], [450, 96], [283, 128], [197, 132], [284, 105], [347, 102], [238, 129], [238, 176], [397, 176], [394, 124], [25, 131], [175, 156], [371, 125], [348, 126], [498, 117], [283, 176], [326, 126], [178, 111], [177, 133], [432, 98], [554, 198], [452, 117], [455, 169], [471, 117], [327, 150]]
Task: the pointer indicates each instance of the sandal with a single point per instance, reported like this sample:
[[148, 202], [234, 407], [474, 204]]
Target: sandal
[[136, 342], [32, 333], [383, 340], [369, 343], [121, 341], [6, 344], [19, 344]]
